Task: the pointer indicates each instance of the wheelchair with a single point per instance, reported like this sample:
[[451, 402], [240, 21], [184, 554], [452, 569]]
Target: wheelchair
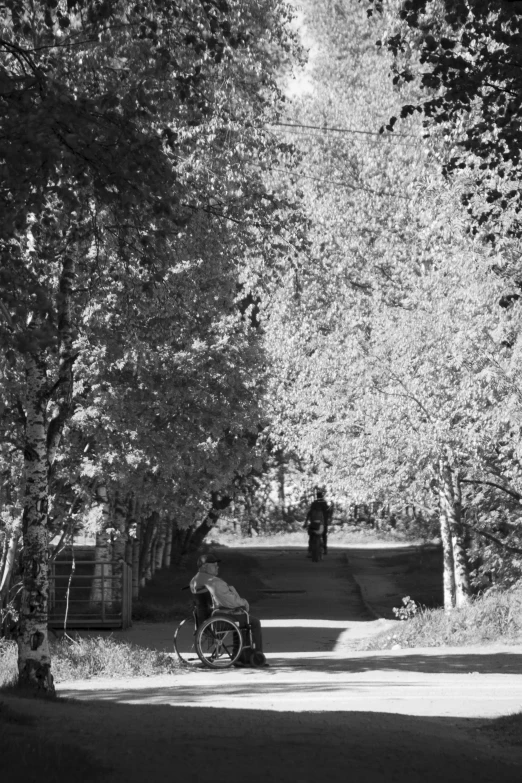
[[213, 638]]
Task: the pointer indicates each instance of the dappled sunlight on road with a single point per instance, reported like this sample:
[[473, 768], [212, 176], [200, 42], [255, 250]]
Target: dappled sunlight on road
[[313, 619], [407, 682]]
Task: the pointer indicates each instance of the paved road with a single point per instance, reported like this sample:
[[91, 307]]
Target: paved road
[[313, 616], [320, 712], [304, 607]]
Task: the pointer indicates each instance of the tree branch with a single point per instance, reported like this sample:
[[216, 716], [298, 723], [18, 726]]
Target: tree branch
[[493, 538], [511, 492]]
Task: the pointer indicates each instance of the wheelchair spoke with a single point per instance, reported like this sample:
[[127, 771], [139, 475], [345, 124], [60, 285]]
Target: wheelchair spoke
[[218, 642]]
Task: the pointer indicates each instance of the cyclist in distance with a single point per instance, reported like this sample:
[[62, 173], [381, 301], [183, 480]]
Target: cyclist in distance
[[319, 512]]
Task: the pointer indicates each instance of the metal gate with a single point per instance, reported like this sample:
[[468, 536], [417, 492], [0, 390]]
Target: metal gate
[[90, 594]]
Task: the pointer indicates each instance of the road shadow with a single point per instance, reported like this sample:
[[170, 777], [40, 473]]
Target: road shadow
[[445, 663], [386, 576], [157, 742]]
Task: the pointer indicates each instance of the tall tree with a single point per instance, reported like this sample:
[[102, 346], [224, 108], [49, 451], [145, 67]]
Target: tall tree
[[466, 58], [119, 123]]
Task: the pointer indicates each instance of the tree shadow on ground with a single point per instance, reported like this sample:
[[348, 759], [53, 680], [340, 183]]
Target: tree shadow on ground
[[128, 743], [443, 663]]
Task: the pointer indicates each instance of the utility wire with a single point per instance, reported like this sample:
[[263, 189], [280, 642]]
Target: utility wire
[[340, 130], [383, 139], [292, 173]]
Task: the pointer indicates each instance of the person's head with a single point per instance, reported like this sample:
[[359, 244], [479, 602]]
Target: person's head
[[319, 494], [208, 563]]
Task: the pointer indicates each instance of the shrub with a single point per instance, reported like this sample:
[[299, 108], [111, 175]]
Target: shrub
[[8, 662], [493, 617], [408, 610], [93, 657], [100, 656]]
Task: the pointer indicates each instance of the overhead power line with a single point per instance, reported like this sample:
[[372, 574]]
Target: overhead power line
[[389, 140], [293, 173], [339, 130]]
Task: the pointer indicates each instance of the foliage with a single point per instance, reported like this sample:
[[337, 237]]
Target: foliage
[[8, 662], [360, 343], [107, 657], [490, 618], [357, 188], [408, 610], [465, 56], [138, 222]]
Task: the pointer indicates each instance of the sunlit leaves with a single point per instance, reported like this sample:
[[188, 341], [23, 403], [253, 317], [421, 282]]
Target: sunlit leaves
[[466, 58]]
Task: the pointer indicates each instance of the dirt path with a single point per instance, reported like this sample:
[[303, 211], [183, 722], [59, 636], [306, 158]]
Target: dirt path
[[321, 711]]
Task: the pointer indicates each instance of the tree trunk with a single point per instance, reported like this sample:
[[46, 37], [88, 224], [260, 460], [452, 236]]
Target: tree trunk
[[34, 659], [151, 566], [101, 591], [450, 510], [42, 440], [180, 539], [160, 543], [8, 564], [120, 526], [136, 546], [131, 523], [198, 536], [447, 561], [119, 544], [460, 558], [281, 489], [146, 550], [168, 545]]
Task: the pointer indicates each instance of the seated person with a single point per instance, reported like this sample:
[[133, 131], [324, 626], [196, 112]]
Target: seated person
[[226, 598]]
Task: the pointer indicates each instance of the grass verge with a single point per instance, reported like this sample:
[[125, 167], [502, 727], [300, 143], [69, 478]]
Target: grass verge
[[92, 657], [493, 617]]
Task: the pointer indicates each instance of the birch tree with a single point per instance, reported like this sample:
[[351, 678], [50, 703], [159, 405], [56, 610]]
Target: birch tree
[[111, 116], [392, 345]]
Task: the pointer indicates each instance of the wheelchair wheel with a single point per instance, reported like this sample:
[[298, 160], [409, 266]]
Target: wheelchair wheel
[[185, 642], [218, 642]]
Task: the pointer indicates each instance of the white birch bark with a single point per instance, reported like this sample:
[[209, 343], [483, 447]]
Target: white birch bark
[[460, 558], [8, 564], [42, 439], [450, 509], [34, 659], [160, 543], [101, 590], [168, 545], [448, 568], [152, 560]]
